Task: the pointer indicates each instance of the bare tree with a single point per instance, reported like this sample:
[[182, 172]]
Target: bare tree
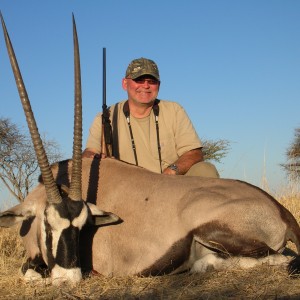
[[292, 166], [18, 165], [215, 150]]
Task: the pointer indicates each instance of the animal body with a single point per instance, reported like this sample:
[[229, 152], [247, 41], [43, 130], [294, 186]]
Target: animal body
[[176, 223], [160, 224], [169, 224]]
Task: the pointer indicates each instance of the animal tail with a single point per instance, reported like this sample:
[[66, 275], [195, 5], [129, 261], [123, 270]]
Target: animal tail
[[294, 266], [293, 234]]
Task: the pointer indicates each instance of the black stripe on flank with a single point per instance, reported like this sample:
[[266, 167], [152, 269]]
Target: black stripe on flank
[[221, 239], [215, 236], [175, 257]]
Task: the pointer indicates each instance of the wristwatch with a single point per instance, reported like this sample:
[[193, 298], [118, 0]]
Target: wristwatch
[[174, 168]]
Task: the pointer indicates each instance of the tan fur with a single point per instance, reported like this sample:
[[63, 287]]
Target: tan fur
[[160, 210]]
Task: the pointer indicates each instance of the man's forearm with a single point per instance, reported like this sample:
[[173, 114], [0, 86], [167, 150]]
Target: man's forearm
[[185, 162]]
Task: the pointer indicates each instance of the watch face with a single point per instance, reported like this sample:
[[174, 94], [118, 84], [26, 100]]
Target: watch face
[[173, 167]]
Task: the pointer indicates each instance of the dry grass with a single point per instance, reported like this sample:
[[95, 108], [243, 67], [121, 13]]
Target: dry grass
[[259, 283]]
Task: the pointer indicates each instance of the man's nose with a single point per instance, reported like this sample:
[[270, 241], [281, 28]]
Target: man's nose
[[146, 84]]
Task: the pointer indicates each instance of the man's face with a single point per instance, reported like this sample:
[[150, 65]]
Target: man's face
[[142, 90]]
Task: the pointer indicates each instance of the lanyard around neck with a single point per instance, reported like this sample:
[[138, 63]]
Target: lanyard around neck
[[156, 113]]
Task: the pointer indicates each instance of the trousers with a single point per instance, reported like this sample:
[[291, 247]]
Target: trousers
[[203, 169]]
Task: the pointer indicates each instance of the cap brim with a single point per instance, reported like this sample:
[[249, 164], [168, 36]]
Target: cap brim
[[135, 76]]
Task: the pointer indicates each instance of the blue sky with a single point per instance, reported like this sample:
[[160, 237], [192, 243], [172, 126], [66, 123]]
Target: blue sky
[[233, 65]]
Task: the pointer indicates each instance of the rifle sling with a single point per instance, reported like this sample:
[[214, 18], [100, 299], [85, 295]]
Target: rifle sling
[[115, 139], [126, 112]]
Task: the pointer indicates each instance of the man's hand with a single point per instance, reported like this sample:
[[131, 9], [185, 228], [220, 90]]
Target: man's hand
[[168, 171], [91, 153]]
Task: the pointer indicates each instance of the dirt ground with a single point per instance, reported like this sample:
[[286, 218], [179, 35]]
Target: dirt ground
[[260, 283]]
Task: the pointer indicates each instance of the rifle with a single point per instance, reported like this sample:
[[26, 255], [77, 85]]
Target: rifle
[[106, 138]]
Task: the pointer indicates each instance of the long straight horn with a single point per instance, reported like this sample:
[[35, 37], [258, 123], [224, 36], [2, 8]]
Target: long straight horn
[[75, 188], [51, 188]]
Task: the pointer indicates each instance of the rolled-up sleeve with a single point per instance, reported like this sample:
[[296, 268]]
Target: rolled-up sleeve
[[186, 136], [95, 131]]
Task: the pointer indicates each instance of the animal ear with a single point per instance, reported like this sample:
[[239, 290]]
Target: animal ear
[[101, 217], [16, 215]]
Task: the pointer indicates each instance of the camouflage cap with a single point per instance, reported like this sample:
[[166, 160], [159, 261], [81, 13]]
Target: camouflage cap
[[142, 66]]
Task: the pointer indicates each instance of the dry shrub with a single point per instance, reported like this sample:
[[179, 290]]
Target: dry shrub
[[10, 243], [291, 200], [11, 247]]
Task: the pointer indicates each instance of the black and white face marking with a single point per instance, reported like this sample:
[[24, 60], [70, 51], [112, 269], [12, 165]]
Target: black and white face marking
[[63, 223]]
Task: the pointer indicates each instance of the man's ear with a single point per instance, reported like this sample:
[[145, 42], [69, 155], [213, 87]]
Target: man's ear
[[124, 84]]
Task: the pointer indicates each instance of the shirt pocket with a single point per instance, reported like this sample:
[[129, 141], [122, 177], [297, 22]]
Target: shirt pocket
[[168, 149]]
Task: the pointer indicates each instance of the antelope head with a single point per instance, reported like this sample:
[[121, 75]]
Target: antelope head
[[64, 215]]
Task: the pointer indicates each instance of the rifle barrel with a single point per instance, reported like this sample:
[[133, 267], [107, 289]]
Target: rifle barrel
[[104, 79], [106, 139]]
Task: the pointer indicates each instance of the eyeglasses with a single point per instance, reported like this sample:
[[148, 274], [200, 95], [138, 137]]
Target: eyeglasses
[[143, 80]]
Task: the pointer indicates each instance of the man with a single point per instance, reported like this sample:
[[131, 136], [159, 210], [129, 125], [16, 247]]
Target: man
[[151, 133]]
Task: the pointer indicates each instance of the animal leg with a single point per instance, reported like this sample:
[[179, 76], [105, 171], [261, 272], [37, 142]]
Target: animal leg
[[34, 270], [221, 248], [212, 261], [220, 238]]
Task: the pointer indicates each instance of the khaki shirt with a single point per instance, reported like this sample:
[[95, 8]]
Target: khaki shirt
[[176, 133]]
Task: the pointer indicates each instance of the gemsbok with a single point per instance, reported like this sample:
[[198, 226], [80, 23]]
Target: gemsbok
[[160, 224]]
